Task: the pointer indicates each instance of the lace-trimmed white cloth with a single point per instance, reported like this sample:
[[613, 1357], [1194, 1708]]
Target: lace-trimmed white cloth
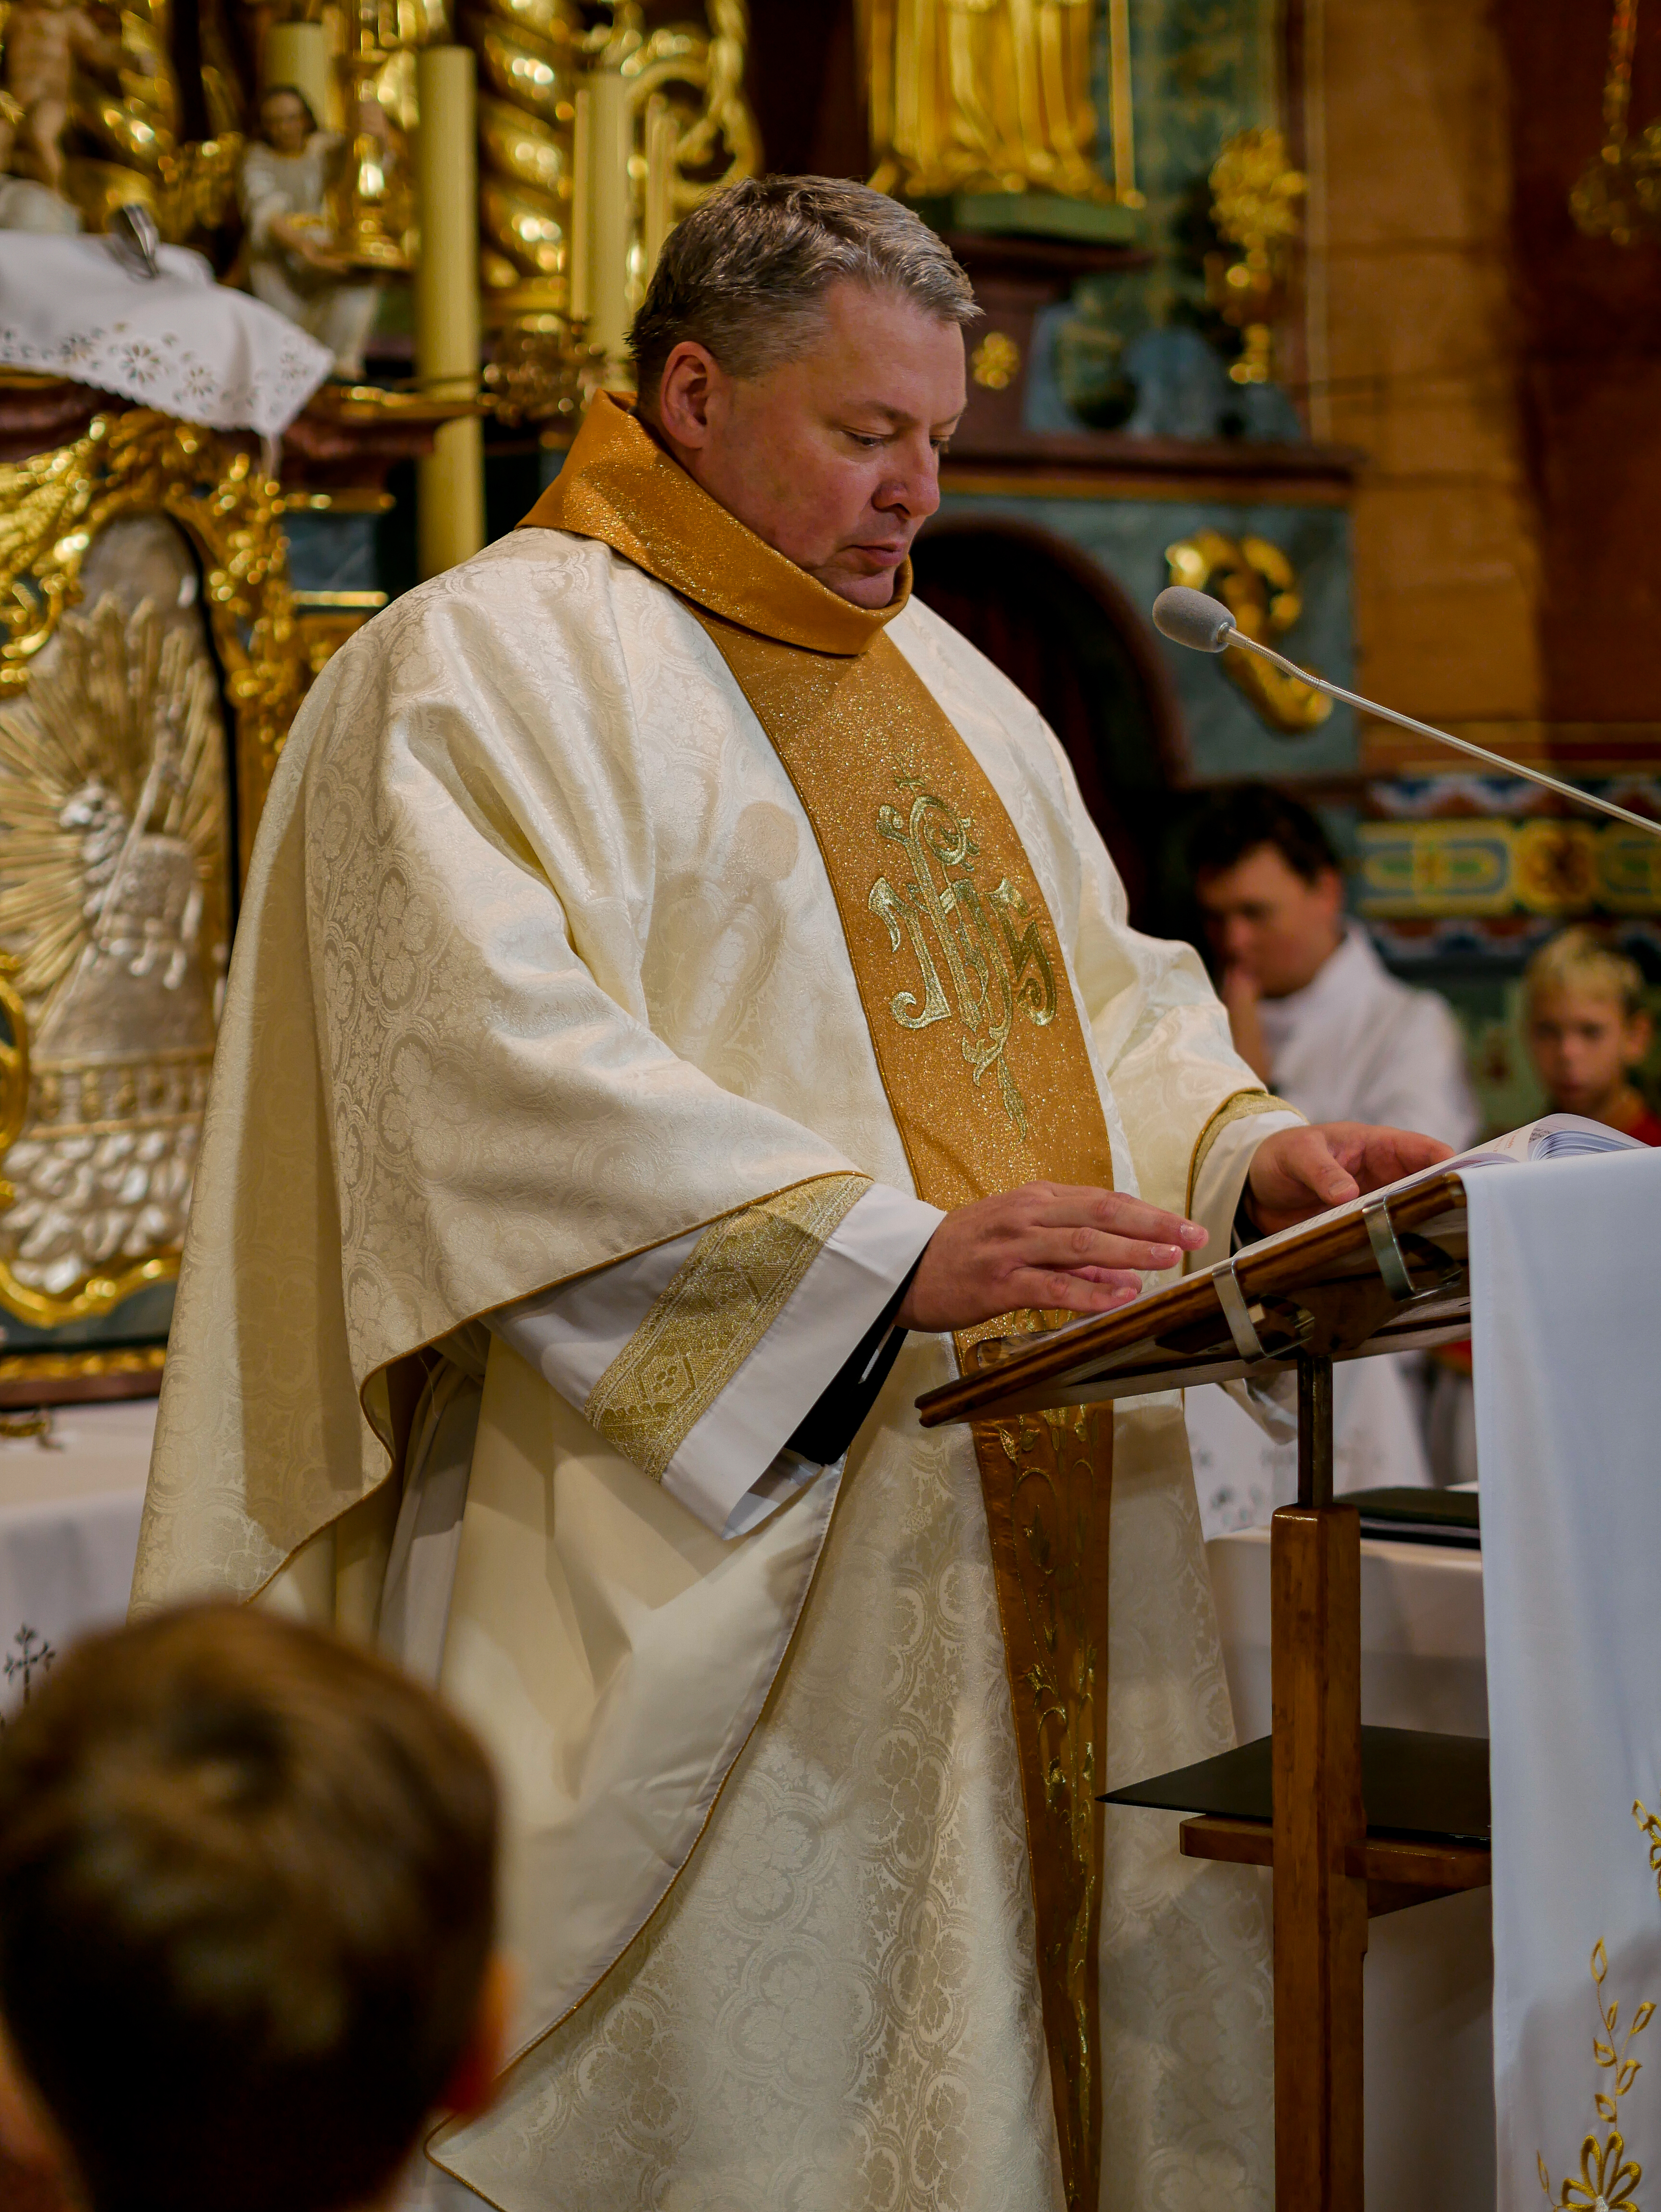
[[178, 342]]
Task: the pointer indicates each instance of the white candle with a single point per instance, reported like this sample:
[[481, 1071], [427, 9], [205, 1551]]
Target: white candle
[[450, 513], [583, 199], [611, 139], [297, 54], [661, 133]]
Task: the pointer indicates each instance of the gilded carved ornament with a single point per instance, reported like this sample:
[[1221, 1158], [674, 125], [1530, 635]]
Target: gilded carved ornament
[[995, 363], [1257, 205], [53, 504], [676, 95], [14, 1068], [994, 96], [1479, 865], [1618, 195], [114, 826], [119, 90], [1258, 584]]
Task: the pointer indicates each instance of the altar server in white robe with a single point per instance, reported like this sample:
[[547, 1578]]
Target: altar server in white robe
[[679, 1004], [1320, 1018]]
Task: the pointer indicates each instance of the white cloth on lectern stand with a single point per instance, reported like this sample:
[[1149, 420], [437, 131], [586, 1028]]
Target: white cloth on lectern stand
[[1568, 1414]]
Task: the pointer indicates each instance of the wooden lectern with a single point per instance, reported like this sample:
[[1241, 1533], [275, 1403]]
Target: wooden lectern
[[1355, 1821]]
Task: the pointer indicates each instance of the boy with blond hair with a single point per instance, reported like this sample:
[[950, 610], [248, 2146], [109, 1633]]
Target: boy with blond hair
[[1587, 1030], [246, 1920]]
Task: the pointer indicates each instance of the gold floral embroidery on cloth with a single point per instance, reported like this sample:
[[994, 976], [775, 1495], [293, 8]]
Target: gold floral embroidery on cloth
[[993, 970], [700, 1330], [1608, 2177]]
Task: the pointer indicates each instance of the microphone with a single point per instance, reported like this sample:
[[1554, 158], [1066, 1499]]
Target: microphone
[[1195, 619]]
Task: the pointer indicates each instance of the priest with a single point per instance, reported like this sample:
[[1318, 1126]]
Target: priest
[[681, 1012]]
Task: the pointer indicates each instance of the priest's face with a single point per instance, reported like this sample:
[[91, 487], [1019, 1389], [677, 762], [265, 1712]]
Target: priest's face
[[833, 458]]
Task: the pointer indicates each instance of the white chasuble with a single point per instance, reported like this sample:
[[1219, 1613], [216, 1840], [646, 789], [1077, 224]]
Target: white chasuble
[[549, 1178]]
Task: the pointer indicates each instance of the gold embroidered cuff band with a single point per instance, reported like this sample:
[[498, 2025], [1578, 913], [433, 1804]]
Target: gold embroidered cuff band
[[1241, 1106], [700, 1330]]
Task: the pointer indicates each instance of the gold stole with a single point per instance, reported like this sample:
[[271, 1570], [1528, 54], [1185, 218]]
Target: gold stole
[[982, 1053]]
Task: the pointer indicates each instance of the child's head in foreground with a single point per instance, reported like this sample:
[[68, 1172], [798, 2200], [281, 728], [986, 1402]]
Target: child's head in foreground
[[1587, 1028], [246, 1919]]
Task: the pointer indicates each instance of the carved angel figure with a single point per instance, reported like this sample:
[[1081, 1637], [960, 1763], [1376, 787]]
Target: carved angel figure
[[293, 263], [44, 38]]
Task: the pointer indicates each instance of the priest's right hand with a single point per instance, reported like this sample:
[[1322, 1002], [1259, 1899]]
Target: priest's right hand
[[1046, 1244]]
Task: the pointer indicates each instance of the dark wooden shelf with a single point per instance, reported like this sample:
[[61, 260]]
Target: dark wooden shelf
[[1084, 464], [38, 413], [1398, 1871], [1431, 1788], [1057, 262]]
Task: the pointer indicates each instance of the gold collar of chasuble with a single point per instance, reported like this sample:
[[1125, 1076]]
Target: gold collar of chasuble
[[981, 1048], [620, 486]]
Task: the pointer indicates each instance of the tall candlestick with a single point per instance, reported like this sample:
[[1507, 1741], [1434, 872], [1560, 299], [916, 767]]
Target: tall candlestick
[[297, 54], [450, 513], [610, 141], [661, 133], [582, 193]]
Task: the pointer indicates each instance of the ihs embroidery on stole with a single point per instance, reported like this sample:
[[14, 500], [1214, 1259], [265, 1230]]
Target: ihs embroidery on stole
[[992, 970]]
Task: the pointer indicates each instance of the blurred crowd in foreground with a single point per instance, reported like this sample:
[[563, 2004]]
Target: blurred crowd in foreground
[[248, 1924]]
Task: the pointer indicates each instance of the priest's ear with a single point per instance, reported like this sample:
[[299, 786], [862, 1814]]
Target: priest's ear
[[690, 396], [472, 2079]]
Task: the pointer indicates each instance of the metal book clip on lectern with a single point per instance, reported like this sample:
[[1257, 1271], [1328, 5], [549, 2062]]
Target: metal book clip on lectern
[[1354, 1821]]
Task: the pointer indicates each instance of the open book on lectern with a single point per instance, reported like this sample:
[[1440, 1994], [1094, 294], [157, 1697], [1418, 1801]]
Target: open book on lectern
[[1385, 1273]]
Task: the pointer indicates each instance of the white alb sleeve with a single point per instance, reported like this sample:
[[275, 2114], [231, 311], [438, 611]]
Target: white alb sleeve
[[732, 1468], [1221, 1179]]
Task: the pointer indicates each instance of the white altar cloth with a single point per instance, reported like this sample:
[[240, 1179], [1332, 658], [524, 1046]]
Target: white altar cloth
[[178, 342], [1568, 1431], [68, 1533]]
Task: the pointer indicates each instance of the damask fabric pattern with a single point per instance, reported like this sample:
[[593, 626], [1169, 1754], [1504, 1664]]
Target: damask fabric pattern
[[1187, 1990], [836, 2008], [538, 933], [178, 342]]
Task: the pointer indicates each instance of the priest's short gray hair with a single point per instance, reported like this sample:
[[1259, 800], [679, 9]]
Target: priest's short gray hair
[[745, 274]]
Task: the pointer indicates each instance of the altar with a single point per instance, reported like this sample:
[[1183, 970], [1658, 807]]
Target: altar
[[71, 1491]]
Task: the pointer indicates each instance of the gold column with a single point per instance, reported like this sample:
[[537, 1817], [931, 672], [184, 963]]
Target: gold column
[[298, 54], [451, 480]]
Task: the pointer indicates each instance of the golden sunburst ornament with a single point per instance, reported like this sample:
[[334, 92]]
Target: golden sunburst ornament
[[113, 911]]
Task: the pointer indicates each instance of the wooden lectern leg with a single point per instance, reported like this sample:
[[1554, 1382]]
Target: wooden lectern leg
[[1320, 1910]]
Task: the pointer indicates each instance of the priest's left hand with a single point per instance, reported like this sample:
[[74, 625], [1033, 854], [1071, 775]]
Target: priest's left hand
[[1299, 1172]]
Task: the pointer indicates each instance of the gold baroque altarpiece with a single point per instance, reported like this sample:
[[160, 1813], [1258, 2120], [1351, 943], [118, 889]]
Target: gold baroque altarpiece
[[148, 671], [995, 96]]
